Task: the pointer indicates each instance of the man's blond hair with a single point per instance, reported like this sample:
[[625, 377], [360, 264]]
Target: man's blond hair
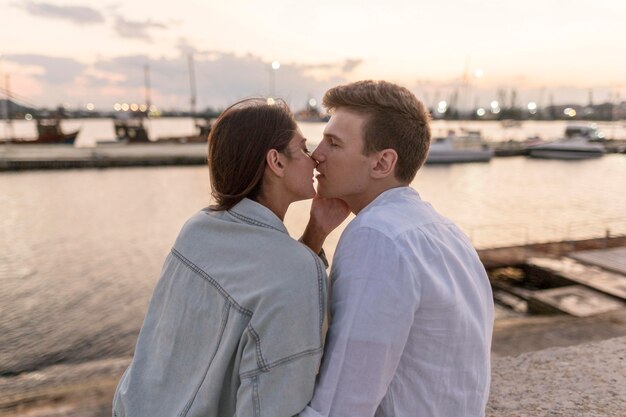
[[396, 119]]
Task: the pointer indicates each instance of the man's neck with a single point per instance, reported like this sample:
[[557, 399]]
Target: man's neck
[[359, 202]]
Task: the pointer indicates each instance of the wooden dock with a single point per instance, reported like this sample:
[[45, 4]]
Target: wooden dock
[[590, 276], [610, 259], [23, 157], [579, 283]]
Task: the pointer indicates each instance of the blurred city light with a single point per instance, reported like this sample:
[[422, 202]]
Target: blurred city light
[[442, 107], [271, 101], [28, 116], [495, 107], [275, 65], [480, 112], [134, 107], [312, 102], [125, 107], [117, 107], [479, 73], [90, 106]]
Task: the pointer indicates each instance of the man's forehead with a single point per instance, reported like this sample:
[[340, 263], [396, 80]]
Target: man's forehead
[[345, 123]]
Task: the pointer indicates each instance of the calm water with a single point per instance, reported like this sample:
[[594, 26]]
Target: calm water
[[80, 250]]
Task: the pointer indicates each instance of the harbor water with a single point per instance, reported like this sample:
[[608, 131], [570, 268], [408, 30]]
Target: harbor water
[[81, 250]]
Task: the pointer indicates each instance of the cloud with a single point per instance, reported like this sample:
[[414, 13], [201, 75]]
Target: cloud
[[345, 66], [55, 70], [350, 64], [136, 30], [221, 78], [78, 14]]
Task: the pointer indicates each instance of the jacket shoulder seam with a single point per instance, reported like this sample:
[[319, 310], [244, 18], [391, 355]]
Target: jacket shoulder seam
[[252, 221], [212, 281]]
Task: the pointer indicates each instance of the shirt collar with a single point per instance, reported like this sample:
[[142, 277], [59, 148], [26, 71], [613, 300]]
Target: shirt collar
[[252, 212], [390, 195]]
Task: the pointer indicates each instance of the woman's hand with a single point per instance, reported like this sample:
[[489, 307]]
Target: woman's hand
[[326, 215]]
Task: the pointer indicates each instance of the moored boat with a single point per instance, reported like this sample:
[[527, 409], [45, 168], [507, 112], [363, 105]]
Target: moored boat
[[131, 130], [49, 132], [568, 149], [590, 132], [459, 148]]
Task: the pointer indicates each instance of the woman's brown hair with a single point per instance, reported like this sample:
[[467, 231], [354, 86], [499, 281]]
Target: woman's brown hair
[[238, 143]]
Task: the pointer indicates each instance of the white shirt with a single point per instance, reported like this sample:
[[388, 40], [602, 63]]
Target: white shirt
[[412, 317]]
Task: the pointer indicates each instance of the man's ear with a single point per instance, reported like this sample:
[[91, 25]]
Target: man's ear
[[385, 163], [275, 162]]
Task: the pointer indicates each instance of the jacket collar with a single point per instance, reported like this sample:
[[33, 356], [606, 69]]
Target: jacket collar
[[252, 212]]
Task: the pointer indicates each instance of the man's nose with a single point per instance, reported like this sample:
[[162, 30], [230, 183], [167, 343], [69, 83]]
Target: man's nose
[[318, 154]]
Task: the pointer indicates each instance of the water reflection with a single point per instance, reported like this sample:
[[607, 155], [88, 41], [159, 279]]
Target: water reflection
[[80, 250]]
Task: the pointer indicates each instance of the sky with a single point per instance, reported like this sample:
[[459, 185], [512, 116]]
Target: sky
[[68, 52]]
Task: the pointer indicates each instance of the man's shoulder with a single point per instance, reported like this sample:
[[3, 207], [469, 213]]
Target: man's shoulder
[[395, 218]]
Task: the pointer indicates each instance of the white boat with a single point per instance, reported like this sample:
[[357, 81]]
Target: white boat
[[571, 149], [458, 148]]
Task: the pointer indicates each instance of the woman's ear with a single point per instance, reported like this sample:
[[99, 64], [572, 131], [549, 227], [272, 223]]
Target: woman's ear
[[275, 162], [385, 163]]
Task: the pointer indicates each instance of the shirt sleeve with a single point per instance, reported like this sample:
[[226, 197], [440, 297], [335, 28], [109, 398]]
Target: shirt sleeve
[[374, 299]]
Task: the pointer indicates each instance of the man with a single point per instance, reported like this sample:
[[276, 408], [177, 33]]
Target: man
[[412, 309]]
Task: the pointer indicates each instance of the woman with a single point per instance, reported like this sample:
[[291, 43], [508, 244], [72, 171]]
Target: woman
[[237, 320]]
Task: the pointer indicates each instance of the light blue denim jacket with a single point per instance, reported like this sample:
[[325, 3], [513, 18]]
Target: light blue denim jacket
[[236, 324]]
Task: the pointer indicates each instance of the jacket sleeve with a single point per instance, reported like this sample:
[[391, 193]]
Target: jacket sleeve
[[282, 391]]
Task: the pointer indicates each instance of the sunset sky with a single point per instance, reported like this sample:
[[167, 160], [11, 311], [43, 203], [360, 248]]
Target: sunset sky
[[74, 53]]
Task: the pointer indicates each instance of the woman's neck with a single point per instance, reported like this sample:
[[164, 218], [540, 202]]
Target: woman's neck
[[274, 203]]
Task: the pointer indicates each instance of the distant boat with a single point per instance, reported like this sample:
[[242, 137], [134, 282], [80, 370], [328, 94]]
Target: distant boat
[[575, 148], [459, 148], [311, 113], [589, 132], [577, 144], [507, 123], [131, 130], [49, 132]]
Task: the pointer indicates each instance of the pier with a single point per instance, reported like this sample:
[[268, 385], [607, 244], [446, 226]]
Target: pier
[[26, 157], [581, 279], [15, 157]]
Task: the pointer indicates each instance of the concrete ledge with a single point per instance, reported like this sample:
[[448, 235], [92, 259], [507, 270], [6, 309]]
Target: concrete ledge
[[586, 380]]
